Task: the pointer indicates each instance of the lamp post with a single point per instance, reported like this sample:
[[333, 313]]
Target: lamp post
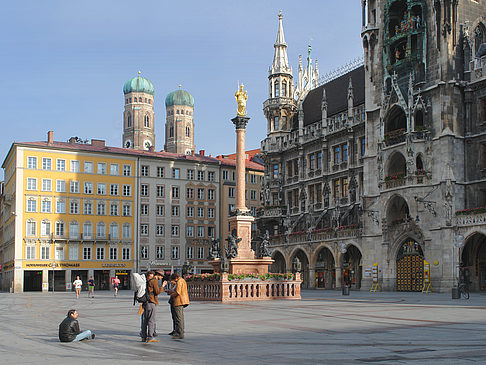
[[53, 275], [343, 249], [459, 243]]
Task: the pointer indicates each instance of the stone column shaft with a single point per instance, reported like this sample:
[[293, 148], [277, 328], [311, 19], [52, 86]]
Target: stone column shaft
[[240, 170], [240, 124]]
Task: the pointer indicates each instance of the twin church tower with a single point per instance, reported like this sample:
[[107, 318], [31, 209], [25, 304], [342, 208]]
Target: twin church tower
[[139, 118]]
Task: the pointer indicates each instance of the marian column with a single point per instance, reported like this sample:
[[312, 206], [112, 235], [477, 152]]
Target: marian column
[[241, 220]]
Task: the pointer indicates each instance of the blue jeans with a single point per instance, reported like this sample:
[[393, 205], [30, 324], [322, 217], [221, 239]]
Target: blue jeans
[[83, 336]]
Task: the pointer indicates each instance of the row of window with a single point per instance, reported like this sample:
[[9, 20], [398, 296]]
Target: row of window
[[280, 89], [146, 120], [232, 192], [74, 187], [191, 193], [191, 253], [74, 230], [315, 160], [191, 174], [101, 167], [253, 177], [179, 112], [139, 100], [59, 253], [75, 207], [191, 231], [202, 212]]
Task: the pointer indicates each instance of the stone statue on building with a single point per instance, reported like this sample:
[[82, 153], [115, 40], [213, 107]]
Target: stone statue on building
[[215, 249], [241, 98]]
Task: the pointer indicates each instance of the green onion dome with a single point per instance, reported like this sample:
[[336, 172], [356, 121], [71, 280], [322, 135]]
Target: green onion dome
[[179, 97], [138, 84]]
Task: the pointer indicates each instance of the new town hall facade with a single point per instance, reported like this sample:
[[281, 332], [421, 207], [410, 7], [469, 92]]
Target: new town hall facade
[[374, 174]]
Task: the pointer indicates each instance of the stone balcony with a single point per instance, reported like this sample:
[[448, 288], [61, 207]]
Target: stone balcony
[[470, 220], [272, 211], [316, 236], [415, 179], [278, 101]]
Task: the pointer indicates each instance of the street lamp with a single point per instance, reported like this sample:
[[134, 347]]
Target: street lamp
[[343, 249], [459, 243]]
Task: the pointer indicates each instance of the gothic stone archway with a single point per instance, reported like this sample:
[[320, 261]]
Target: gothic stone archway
[[278, 265], [325, 275], [352, 267], [303, 263], [474, 259]]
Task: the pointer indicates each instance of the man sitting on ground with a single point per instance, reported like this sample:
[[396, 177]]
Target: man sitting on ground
[[69, 329]]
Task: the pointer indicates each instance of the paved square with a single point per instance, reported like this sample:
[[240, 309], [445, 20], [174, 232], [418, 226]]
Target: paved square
[[322, 328]]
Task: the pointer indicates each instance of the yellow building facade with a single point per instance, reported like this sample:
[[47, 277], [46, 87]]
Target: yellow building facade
[[69, 210]]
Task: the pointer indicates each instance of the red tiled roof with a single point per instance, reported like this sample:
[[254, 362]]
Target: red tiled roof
[[119, 150], [249, 164], [139, 153], [249, 153]]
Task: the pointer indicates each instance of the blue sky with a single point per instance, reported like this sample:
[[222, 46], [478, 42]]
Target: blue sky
[[64, 63]]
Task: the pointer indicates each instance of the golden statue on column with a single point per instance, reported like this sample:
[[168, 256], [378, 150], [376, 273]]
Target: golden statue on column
[[241, 98]]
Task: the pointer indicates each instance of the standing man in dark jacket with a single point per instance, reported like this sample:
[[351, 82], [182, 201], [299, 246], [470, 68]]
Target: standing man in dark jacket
[[153, 290], [69, 329]]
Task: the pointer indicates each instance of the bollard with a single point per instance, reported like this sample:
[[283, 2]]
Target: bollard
[[455, 293]]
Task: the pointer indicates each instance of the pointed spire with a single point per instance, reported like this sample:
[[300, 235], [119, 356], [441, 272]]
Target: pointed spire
[[280, 59], [350, 88]]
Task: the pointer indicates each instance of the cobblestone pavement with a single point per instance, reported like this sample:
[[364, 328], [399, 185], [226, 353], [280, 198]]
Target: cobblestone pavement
[[323, 328]]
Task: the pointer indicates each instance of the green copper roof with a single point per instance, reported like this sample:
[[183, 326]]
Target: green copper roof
[[138, 84], [179, 97]]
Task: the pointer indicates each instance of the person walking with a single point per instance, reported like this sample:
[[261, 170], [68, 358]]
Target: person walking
[[91, 285], [69, 329], [181, 300], [77, 286], [116, 282], [149, 307]]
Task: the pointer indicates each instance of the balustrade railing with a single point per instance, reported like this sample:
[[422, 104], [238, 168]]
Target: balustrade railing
[[465, 220], [250, 289]]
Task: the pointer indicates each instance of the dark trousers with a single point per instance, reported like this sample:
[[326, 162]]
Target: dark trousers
[[142, 318], [148, 326], [172, 314], [179, 320]]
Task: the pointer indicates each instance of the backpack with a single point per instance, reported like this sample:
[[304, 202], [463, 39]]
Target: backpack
[[140, 294]]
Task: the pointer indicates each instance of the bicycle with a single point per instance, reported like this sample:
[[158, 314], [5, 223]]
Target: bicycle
[[463, 289]]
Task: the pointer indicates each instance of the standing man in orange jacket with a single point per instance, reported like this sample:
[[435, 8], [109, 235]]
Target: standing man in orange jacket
[[181, 300]]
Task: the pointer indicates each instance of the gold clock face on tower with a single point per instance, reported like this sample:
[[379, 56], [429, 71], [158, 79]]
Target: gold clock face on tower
[[147, 144], [128, 144]]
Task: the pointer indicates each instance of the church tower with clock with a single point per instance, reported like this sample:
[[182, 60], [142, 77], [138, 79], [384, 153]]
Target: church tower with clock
[[138, 116]]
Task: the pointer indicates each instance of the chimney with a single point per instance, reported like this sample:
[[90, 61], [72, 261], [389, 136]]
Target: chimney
[[201, 152], [50, 137], [72, 140], [152, 148], [98, 142]]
